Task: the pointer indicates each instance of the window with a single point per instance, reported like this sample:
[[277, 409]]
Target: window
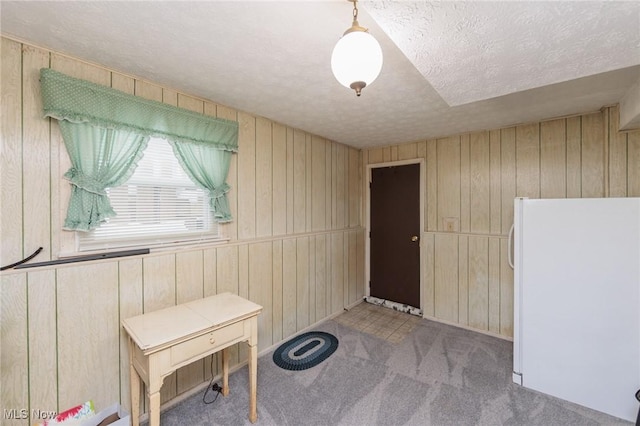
[[157, 206]]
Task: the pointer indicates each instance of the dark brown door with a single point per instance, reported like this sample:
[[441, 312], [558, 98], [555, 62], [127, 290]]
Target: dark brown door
[[395, 232]]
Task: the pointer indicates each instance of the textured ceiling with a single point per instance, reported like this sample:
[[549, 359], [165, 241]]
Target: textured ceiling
[[449, 67]]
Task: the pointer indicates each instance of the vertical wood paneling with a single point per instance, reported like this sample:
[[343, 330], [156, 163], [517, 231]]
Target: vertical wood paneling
[[14, 393], [617, 156], [345, 270], [334, 186], [289, 288], [210, 287], [228, 281], [210, 272], [79, 69], [243, 271], [189, 286], [360, 285], [308, 177], [494, 285], [189, 276], [446, 277], [210, 109], [297, 285], [291, 160], [407, 151], [495, 213], [337, 272], [246, 176], [36, 151], [465, 185], [422, 153], [354, 187], [43, 375], [318, 183], [374, 155], [528, 161], [130, 292], [279, 187], [263, 178], [299, 182], [553, 159], [279, 179], [278, 292], [479, 283], [506, 291], [260, 289], [312, 279], [88, 332], [507, 175], [11, 152], [147, 90], [329, 285], [394, 153], [341, 192], [428, 294], [463, 279], [190, 103], [574, 157], [123, 83], [329, 178], [480, 182], [171, 97], [592, 156], [160, 292], [431, 219], [159, 282], [448, 181], [386, 154], [353, 265], [302, 282]]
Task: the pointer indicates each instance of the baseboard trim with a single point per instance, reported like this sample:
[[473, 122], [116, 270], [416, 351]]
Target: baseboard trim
[[466, 327]]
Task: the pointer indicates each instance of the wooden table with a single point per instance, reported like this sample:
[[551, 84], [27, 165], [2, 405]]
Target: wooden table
[[162, 341]]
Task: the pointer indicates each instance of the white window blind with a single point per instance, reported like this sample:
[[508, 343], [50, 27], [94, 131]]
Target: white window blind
[[158, 206]]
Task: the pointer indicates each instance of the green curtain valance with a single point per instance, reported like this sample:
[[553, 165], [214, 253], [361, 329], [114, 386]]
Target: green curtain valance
[[80, 101]]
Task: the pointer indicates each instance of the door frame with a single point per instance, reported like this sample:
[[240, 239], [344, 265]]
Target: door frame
[[367, 239]]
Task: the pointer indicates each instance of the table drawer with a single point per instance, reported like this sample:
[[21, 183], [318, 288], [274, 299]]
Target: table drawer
[[197, 346]]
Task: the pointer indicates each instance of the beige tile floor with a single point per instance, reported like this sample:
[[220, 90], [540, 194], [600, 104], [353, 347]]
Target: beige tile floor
[[385, 323]]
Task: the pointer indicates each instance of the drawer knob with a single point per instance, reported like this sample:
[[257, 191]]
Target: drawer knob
[[212, 340]]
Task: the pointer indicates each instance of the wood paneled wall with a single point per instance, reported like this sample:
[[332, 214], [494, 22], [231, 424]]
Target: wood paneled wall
[[296, 246], [471, 181]]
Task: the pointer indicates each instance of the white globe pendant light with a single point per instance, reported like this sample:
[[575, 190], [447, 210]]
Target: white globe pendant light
[[357, 57]]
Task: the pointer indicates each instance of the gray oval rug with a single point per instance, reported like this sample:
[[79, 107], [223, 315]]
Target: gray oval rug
[[305, 351]]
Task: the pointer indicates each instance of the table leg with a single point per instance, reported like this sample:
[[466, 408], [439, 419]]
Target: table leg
[[253, 381], [134, 387], [225, 372], [155, 384], [154, 409]]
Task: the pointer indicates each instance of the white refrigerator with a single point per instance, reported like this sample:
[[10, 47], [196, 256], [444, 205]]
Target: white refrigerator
[[577, 300]]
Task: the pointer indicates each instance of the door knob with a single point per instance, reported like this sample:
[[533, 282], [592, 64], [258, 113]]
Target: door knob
[[414, 238]]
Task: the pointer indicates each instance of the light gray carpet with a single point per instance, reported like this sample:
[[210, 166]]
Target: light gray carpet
[[438, 375]]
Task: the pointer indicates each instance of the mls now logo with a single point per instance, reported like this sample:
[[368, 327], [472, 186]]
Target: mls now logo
[[16, 414], [23, 414]]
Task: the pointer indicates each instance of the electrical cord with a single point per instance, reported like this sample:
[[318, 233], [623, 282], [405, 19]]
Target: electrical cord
[[211, 387]]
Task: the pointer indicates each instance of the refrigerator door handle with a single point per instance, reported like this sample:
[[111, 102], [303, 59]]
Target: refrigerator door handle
[[510, 246]]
